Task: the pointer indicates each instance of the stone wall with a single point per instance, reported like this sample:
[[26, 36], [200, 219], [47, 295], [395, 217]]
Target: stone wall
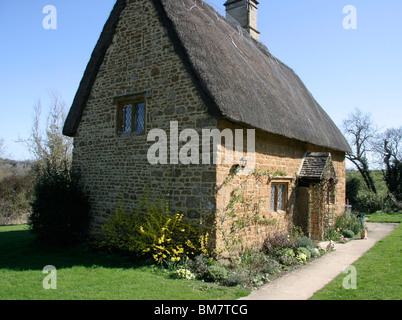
[[273, 153], [141, 59]]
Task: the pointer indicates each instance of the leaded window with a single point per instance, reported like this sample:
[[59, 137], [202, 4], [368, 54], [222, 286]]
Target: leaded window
[[278, 196], [131, 114]]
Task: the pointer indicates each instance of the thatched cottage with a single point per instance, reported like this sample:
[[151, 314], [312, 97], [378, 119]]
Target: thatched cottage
[[164, 62]]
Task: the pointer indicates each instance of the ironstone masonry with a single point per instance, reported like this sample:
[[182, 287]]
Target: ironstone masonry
[[174, 58]]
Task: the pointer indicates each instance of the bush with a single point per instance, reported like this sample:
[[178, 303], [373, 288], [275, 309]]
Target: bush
[[369, 202], [154, 231], [60, 210], [286, 256], [348, 233], [15, 196], [277, 241], [270, 266], [304, 242], [391, 204], [200, 265], [257, 262], [349, 221], [315, 252], [237, 278], [121, 231], [352, 190], [217, 273]]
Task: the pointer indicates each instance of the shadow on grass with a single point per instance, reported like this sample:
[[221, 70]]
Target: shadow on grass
[[18, 251]]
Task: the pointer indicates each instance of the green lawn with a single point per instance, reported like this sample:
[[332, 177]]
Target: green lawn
[[384, 217], [379, 273], [84, 274]]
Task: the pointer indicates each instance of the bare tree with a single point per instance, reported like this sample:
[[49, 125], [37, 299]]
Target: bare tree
[[389, 145], [49, 145], [2, 155], [2, 148], [361, 131]]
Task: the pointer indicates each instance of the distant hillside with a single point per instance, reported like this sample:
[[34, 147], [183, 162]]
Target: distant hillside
[[10, 167], [377, 177]]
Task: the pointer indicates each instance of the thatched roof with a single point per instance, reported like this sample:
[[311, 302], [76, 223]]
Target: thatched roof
[[237, 77]]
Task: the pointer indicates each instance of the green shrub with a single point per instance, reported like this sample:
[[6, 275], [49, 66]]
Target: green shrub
[[15, 196], [270, 266], [352, 189], [369, 202], [348, 233], [217, 273], [277, 241], [120, 231], [286, 256], [349, 221], [314, 252], [391, 204], [60, 209], [237, 279], [304, 242], [200, 266], [154, 231], [257, 262]]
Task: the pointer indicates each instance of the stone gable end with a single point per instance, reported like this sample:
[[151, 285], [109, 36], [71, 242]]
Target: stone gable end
[[141, 60]]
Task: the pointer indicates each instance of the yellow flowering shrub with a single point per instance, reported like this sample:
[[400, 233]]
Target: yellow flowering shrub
[[152, 230]]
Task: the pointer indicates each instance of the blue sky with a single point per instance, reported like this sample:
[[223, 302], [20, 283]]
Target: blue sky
[[343, 69]]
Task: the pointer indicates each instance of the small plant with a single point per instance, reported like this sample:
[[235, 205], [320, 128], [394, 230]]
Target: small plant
[[314, 252], [304, 242], [286, 256], [199, 266], [333, 234], [183, 273], [217, 273], [236, 278], [270, 266], [305, 252], [277, 241], [301, 258], [348, 221]]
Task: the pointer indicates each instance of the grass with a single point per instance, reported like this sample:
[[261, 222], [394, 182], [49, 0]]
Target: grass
[[379, 272], [86, 275], [380, 216]]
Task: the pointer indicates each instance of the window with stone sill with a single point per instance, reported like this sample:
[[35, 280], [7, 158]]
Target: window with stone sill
[[279, 196], [131, 114]]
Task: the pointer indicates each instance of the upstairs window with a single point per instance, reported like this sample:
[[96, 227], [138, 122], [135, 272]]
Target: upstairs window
[[131, 115]]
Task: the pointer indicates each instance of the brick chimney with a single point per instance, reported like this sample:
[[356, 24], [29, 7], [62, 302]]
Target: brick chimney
[[245, 13]]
